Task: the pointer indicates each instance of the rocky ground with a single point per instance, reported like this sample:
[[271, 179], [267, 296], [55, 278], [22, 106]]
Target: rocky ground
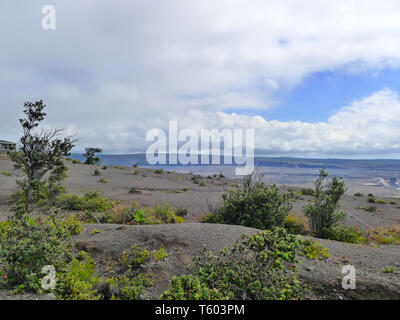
[[184, 241]]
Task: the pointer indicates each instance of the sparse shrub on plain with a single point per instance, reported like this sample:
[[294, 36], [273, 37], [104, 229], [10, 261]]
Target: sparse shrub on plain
[[369, 209], [91, 201], [389, 235], [371, 200], [181, 212], [138, 216], [134, 191], [324, 213], [255, 205], [313, 250], [346, 234], [296, 224]]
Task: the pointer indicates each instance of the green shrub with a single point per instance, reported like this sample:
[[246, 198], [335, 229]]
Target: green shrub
[[181, 212], [103, 180], [44, 194], [255, 205], [26, 246], [346, 234], [295, 224], [371, 200], [381, 201], [90, 201], [307, 191], [190, 288], [78, 279], [323, 213], [159, 171], [261, 266], [96, 172], [369, 209], [384, 235], [6, 173], [390, 269], [134, 215], [134, 191], [358, 194], [313, 250], [95, 231]]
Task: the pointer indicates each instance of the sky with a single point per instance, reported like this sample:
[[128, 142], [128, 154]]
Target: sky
[[312, 78]]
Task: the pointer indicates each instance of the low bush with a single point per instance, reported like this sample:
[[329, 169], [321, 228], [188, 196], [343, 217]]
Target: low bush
[[358, 194], [346, 234], [313, 250], [384, 235], [134, 215], [77, 280], [296, 224], [255, 205], [44, 194], [188, 287], [134, 191], [307, 192], [369, 209], [258, 267], [390, 269], [27, 245], [181, 212], [91, 201]]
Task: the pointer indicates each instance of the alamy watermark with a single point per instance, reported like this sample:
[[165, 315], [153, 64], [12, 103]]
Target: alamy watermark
[[49, 281], [48, 17], [349, 280], [187, 147]]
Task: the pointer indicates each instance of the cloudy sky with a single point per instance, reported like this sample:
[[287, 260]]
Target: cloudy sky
[[313, 78]]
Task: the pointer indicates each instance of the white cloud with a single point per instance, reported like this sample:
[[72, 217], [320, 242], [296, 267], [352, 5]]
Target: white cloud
[[370, 125], [113, 70]]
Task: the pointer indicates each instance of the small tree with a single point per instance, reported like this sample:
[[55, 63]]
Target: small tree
[[256, 205], [89, 155], [40, 153], [324, 212]]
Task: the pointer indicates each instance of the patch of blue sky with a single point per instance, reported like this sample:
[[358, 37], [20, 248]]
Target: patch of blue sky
[[322, 94]]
